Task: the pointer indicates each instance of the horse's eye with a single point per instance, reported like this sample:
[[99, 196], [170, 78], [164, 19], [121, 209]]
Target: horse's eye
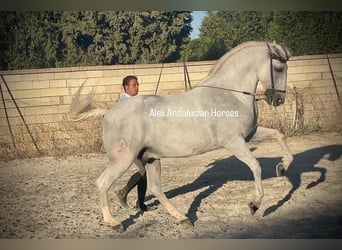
[[279, 69]]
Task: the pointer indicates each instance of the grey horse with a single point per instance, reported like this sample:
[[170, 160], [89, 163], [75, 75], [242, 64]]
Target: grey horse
[[219, 112]]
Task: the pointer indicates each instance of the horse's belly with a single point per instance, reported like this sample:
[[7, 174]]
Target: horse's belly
[[180, 141]]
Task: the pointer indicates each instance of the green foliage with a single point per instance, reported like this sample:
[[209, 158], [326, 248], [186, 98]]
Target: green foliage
[[308, 32], [40, 39], [76, 38], [304, 32], [26, 41], [221, 31]]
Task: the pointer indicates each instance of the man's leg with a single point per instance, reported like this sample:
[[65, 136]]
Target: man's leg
[[142, 187], [132, 182]]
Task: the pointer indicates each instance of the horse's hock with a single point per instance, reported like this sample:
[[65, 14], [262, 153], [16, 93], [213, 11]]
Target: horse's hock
[[43, 96]]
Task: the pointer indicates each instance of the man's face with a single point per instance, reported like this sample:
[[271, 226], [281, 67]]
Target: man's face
[[132, 88]]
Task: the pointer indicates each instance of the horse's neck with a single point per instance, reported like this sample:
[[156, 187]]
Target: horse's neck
[[235, 73]]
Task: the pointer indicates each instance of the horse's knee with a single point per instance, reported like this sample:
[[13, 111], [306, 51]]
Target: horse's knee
[[101, 183]]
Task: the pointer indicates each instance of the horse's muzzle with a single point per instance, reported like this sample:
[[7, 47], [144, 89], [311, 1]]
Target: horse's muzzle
[[275, 99]]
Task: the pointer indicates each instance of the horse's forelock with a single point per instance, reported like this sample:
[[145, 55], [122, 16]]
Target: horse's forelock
[[279, 52]]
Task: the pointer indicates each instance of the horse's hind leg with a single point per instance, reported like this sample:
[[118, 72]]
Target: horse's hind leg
[[239, 148], [116, 168], [153, 171]]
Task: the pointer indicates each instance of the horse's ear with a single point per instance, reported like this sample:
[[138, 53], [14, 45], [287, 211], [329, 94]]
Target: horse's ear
[[274, 42]]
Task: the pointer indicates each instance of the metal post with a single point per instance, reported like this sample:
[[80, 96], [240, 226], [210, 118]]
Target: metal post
[[8, 122], [21, 115], [334, 80], [161, 70]]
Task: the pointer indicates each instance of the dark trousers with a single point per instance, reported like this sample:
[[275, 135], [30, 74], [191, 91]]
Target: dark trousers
[[141, 181]]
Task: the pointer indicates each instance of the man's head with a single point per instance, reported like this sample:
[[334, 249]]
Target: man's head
[[130, 85]]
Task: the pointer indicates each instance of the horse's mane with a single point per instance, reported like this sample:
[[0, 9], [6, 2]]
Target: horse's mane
[[274, 52]]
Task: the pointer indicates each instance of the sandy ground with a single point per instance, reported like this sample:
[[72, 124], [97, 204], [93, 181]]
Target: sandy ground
[[57, 198]]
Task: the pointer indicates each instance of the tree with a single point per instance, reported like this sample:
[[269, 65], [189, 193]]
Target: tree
[[308, 32], [27, 40], [123, 37], [222, 30], [76, 38], [304, 32]]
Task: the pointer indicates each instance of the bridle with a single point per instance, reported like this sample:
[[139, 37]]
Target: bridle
[[273, 90], [268, 92]]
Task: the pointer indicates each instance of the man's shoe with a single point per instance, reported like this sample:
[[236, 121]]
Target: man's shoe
[[143, 207]]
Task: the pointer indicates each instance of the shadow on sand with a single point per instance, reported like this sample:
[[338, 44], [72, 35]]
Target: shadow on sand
[[231, 169], [221, 171]]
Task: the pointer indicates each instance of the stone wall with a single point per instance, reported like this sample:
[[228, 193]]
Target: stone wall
[[43, 97]]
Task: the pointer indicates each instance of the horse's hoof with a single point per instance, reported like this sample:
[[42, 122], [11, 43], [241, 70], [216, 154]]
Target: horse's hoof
[[253, 208], [119, 228], [186, 222], [280, 170], [116, 226]]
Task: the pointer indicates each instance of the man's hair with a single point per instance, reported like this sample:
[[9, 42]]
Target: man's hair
[[127, 79]]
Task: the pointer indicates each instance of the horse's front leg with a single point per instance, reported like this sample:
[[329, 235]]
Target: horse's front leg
[[263, 133], [153, 172], [239, 148]]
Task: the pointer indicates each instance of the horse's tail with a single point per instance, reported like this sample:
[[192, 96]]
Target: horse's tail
[[81, 109]]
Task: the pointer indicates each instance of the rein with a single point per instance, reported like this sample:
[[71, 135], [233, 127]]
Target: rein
[[232, 90]]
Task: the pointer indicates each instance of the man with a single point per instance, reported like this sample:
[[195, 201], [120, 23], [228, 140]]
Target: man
[[131, 87]]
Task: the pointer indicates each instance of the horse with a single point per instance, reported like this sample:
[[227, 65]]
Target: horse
[[219, 112]]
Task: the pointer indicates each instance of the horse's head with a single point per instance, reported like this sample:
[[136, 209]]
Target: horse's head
[[272, 73]]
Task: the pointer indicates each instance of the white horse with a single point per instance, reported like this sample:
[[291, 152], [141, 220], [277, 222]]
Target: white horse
[[220, 112]]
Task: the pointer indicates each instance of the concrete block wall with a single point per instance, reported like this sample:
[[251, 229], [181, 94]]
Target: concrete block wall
[[313, 86], [44, 96]]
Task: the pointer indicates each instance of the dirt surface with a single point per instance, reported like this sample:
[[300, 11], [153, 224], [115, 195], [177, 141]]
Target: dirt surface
[[57, 198]]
